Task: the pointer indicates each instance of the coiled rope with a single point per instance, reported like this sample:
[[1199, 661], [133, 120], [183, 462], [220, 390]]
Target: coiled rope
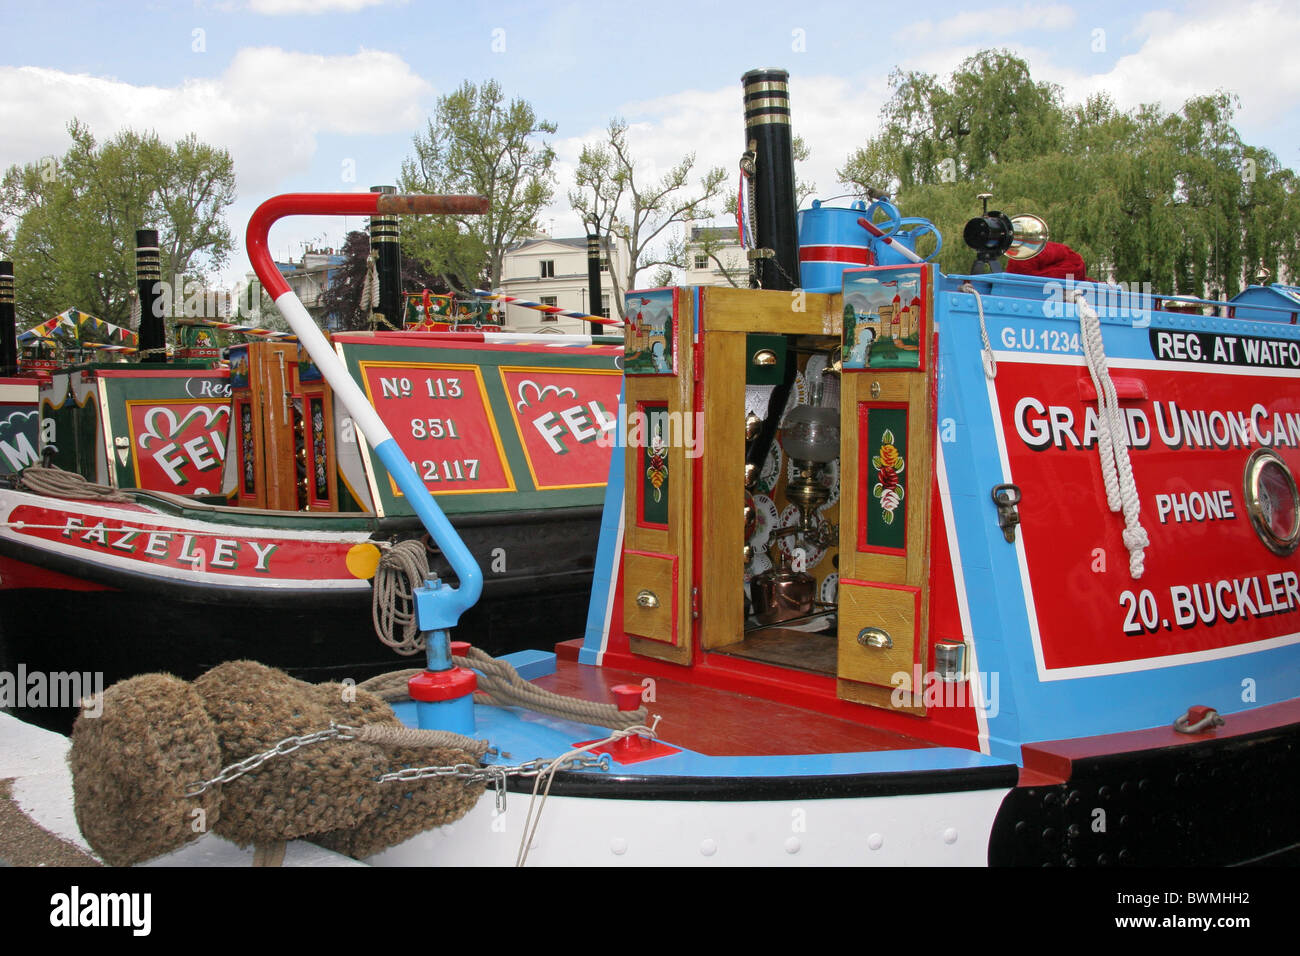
[[402, 568], [1112, 445], [54, 482]]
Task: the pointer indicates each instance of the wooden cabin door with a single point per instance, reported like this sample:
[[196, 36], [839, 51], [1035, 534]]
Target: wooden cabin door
[[661, 429], [886, 470]]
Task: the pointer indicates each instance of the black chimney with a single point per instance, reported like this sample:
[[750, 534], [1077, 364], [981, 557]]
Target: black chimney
[[768, 138], [152, 333], [388, 264], [8, 327], [593, 278]]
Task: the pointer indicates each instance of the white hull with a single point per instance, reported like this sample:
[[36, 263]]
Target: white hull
[[938, 829]]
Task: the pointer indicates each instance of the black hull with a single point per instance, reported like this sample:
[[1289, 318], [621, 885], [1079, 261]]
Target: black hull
[[144, 625]]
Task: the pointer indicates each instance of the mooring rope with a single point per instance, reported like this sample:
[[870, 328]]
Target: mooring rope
[[501, 686], [387, 735], [54, 482], [533, 820], [1116, 469]]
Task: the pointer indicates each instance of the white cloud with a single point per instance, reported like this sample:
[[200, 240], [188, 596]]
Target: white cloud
[[277, 8], [1248, 50], [995, 22], [833, 114], [267, 108]]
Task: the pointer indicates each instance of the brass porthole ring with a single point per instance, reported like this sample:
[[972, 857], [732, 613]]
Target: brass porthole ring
[[1272, 501]]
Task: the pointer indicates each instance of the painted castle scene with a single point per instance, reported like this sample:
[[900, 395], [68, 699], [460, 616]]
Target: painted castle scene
[[882, 319]]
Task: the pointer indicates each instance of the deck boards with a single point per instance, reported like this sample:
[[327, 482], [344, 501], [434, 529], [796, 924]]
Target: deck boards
[[816, 653], [723, 724]]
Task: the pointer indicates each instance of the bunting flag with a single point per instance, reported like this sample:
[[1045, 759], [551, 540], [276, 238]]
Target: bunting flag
[[69, 323], [248, 330], [548, 309]]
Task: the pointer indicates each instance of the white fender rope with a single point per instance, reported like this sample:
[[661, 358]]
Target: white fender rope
[[986, 355], [1112, 443]]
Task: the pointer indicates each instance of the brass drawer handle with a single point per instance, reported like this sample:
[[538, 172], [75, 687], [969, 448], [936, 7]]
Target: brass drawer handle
[[647, 599], [875, 637]]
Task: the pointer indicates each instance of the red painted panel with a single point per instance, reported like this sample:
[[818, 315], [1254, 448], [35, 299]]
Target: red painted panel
[[566, 420], [440, 417], [179, 445], [721, 722], [1209, 585]]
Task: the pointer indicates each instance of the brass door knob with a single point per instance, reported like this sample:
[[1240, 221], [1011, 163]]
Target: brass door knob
[[647, 599]]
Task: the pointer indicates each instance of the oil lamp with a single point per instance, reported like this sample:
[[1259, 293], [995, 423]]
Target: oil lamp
[[810, 435]]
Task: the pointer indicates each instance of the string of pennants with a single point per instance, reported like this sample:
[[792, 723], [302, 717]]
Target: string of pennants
[[70, 323], [247, 330], [548, 309]]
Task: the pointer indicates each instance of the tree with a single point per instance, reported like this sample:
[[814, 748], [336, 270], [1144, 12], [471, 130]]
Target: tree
[[610, 202], [343, 297], [476, 143], [74, 239], [711, 242], [1173, 199]]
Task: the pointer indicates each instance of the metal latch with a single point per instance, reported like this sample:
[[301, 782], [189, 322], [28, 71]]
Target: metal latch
[[1006, 497]]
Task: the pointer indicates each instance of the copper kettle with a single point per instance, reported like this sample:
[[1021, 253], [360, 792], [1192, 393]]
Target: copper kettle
[[782, 594]]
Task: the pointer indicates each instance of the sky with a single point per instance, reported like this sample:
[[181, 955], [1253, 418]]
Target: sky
[[327, 95]]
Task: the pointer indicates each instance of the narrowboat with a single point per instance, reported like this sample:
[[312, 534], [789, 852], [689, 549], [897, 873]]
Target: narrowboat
[[896, 567], [204, 511]]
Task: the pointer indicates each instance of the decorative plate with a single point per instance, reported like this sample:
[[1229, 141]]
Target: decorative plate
[[813, 554], [765, 523], [771, 470]]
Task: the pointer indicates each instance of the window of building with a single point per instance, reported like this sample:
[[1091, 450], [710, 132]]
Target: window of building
[[549, 299], [604, 306], [701, 261], [604, 263], [548, 269]]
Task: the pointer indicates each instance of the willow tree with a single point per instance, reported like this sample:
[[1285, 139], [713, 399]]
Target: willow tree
[[1175, 199]]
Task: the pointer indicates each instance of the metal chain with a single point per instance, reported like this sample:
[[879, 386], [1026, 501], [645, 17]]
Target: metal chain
[[785, 275], [496, 775], [749, 169], [461, 771], [286, 746], [489, 774]]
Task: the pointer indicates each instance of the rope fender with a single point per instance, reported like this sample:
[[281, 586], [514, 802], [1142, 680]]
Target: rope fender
[[135, 767]]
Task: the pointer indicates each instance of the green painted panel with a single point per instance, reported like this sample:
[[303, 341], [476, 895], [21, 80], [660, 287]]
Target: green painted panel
[[654, 475], [527, 424], [886, 479]]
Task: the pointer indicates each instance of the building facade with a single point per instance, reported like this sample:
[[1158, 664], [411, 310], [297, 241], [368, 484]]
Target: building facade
[[713, 253], [554, 272]]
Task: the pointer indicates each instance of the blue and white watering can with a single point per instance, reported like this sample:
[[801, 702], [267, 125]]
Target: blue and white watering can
[[835, 238]]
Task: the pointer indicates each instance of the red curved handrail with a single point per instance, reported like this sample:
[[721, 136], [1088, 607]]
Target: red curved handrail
[[338, 204]]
